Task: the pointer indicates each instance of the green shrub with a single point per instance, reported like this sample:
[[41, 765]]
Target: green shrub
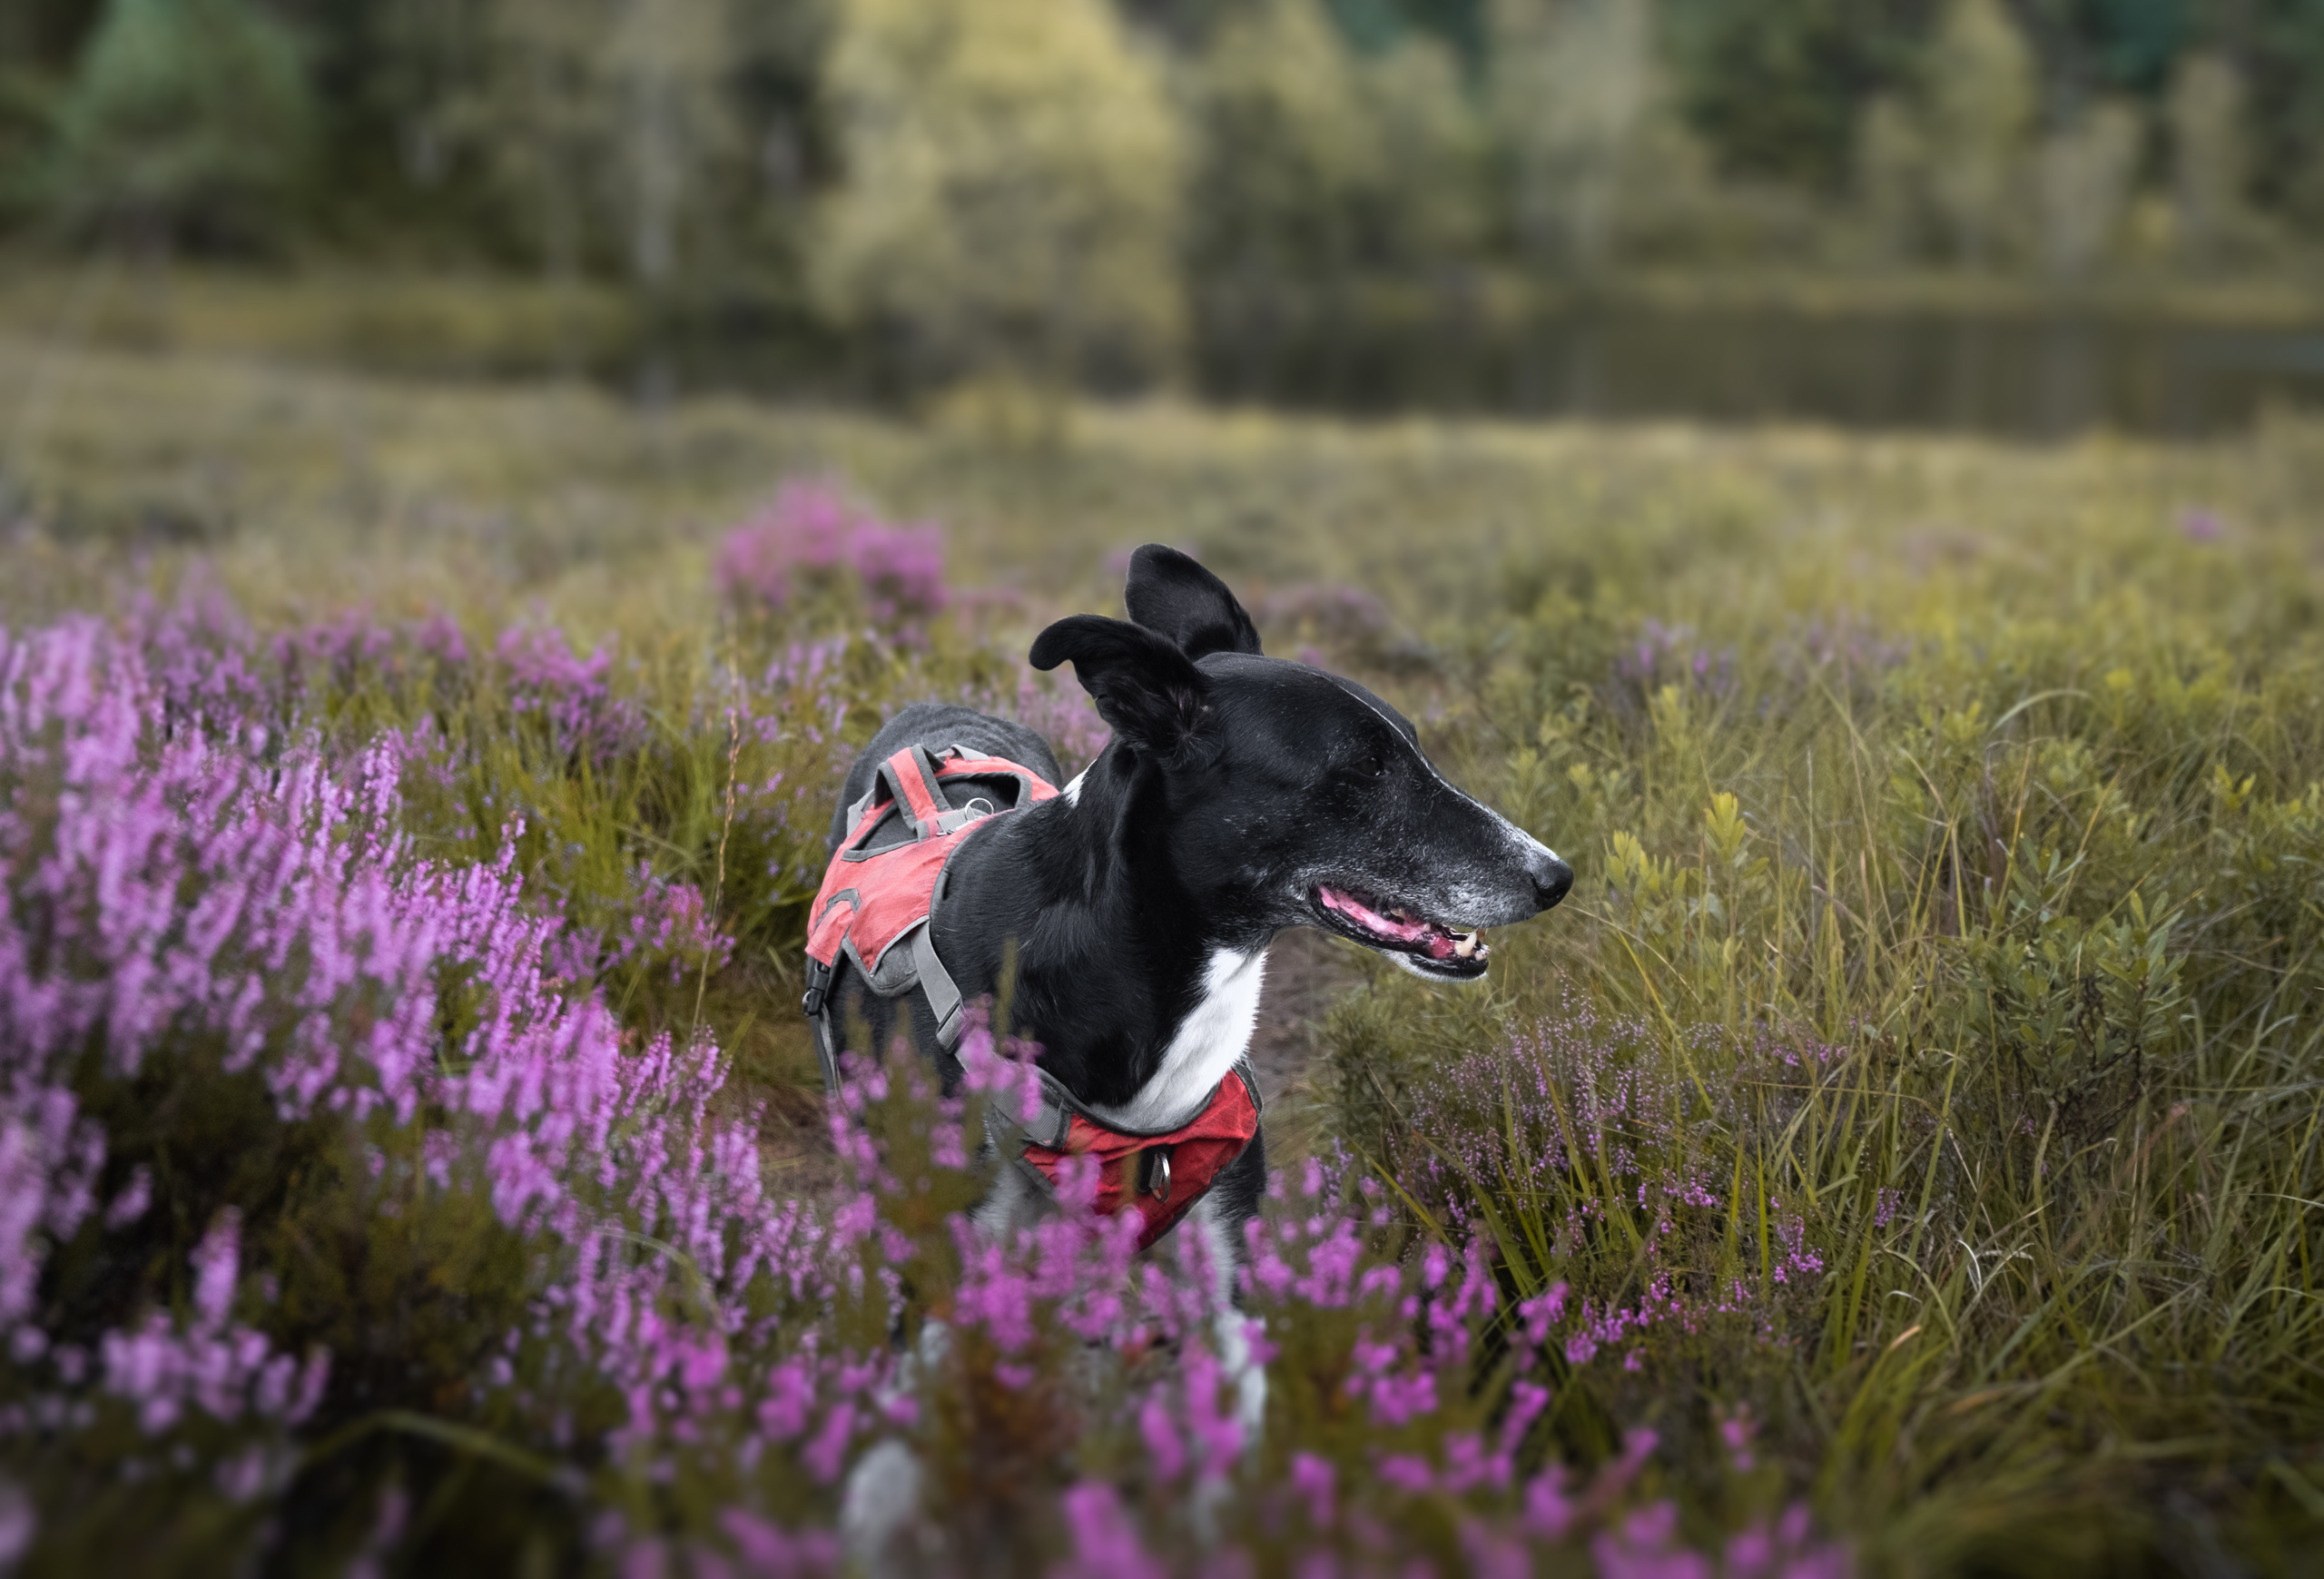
[[188, 122]]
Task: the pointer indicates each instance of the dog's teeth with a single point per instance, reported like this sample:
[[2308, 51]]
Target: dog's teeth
[[1464, 943]]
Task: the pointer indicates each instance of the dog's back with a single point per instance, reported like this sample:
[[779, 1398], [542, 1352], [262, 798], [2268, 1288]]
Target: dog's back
[[938, 724]]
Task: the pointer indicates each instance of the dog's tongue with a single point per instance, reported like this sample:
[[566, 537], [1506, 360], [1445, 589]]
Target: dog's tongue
[[1403, 926]]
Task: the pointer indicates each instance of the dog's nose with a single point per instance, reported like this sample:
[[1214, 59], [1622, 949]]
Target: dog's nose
[[1551, 877]]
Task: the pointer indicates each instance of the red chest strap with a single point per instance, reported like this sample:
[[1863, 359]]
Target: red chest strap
[[1161, 1174]]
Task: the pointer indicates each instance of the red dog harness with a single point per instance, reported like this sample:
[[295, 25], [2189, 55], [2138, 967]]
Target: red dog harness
[[1162, 1174], [873, 899], [876, 907]]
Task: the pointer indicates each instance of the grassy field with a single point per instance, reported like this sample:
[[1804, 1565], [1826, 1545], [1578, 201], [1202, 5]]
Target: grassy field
[[1914, 1112]]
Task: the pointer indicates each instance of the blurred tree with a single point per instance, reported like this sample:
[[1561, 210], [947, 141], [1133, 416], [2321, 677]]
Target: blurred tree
[[1573, 85], [45, 36], [535, 110], [1892, 160], [672, 138], [1372, 26], [2283, 52], [26, 95], [1778, 85], [1458, 24], [383, 74], [1428, 205], [1185, 24], [424, 51], [2207, 153], [188, 121], [2085, 173], [1013, 189], [778, 50], [665, 63], [1978, 100], [753, 221], [1285, 155]]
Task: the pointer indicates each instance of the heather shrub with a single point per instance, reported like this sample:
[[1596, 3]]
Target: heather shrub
[[332, 1197], [811, 539], [342, 1192], [226, 1014], [1578, 1150]]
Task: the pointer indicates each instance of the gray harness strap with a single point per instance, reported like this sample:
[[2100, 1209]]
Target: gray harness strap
[[927, 974], [936, 983]]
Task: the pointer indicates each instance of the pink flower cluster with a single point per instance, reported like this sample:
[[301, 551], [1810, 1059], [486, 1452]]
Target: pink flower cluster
[[571, 696], [211, 671], [1668, 656], [211, 1363], [204, 661], [668, 926], [812, 533]]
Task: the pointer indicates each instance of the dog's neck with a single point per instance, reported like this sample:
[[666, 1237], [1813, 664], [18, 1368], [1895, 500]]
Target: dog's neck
[[1142, 991]]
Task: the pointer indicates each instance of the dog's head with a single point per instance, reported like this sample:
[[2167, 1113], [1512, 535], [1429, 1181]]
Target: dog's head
[[1290, 796]]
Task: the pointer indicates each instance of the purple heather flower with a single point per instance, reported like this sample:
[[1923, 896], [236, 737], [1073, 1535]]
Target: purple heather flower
[[810, 531], [1104, 1539]]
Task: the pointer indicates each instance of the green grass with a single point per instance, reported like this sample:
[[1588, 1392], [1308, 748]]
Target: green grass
[[1994, 778]]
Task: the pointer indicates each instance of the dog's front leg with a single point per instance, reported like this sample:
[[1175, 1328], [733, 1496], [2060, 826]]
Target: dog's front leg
[[883, 1534], [880, 1513], [1221, 1228]]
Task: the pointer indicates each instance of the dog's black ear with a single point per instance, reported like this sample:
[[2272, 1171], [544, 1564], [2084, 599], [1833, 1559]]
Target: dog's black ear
[[1172, 595], [1144, 686]]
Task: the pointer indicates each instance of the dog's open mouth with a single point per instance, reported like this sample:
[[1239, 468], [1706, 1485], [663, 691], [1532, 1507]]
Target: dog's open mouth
[[1432, 946]]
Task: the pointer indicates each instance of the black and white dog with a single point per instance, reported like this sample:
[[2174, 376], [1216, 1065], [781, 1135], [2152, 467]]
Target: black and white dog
[[1240, 796]]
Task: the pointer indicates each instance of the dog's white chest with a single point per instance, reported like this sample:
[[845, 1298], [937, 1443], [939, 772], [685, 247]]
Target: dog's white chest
[[1215, 1032]]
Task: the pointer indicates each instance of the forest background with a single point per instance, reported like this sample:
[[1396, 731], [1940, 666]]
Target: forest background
[[893, 193]]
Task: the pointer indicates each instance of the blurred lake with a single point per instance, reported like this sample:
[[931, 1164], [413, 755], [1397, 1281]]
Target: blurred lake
[[2013, 375], [2007, 374]]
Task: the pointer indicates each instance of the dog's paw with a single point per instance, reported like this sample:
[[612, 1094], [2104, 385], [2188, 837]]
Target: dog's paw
[[1248, 1376]]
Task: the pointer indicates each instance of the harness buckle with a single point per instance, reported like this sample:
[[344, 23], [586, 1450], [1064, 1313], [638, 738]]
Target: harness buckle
[[1154, 1167], [819, 984]]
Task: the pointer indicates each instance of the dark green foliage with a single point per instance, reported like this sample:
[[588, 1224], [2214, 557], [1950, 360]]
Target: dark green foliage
[[46, 35], [188, 119], [1777, 85], [2136, 40], [2287, 65]]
